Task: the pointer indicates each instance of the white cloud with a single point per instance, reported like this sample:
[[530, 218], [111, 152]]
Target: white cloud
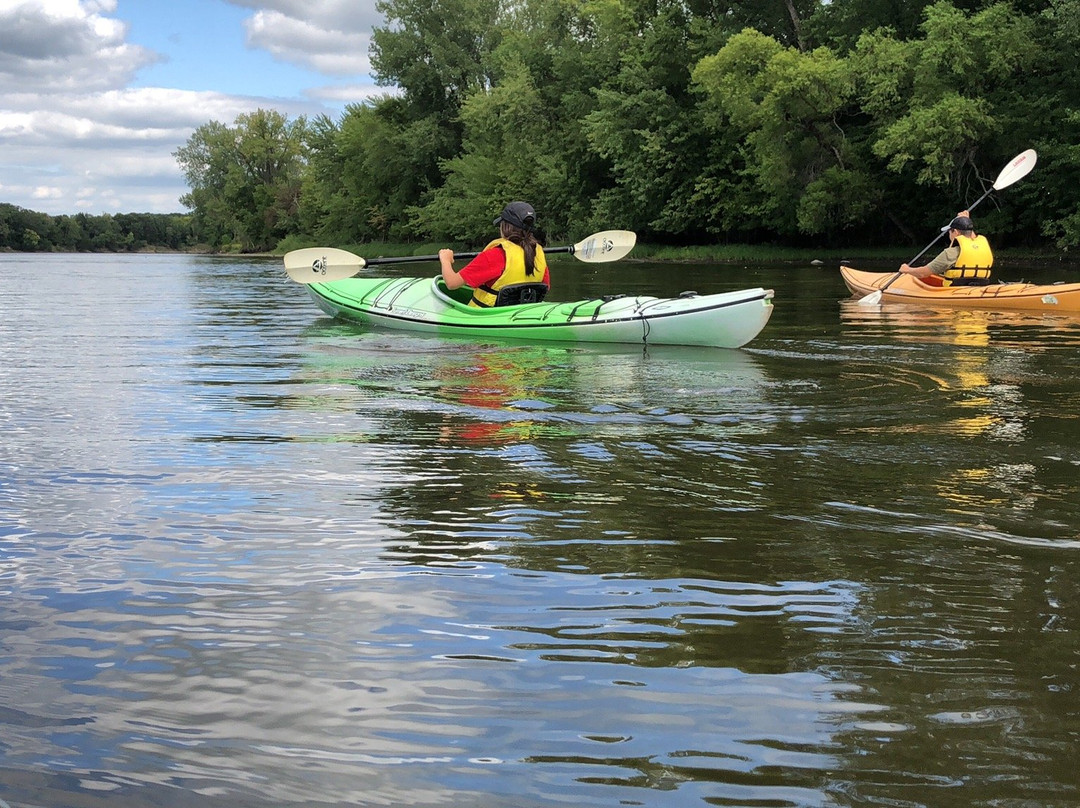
[[301, 42], [51, 46], [348, 93], [128, 118], [47, 192], [350, 16]]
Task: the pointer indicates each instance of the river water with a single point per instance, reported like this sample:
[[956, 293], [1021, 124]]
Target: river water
[[250, 556]]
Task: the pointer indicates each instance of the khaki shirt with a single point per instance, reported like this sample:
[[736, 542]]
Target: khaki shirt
[[945, 260]]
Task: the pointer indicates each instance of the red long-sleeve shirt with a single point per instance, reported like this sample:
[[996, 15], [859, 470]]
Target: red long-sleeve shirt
[[488, 266]]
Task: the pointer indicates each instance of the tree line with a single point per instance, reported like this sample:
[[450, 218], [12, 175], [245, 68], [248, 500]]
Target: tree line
[[25, 230]]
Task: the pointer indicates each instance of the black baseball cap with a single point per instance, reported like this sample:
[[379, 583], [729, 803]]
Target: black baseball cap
[[519, 214]]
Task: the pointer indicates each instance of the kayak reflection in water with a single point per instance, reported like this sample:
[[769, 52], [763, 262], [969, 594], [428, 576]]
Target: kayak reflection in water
[[496, 394], [965, 262], [512, 269]]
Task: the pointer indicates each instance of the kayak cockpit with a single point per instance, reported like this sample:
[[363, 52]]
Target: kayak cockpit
[[514, 295], [457, 298]]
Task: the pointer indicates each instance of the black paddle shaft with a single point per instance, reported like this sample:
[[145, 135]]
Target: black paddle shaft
[[414, 259]]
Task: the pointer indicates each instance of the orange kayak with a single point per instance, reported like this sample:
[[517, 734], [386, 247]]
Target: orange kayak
[[1015, 296]]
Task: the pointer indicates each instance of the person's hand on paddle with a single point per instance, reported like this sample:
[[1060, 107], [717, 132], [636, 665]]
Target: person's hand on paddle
[[452, 278]]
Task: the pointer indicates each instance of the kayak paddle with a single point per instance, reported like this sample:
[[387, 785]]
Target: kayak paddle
[[1017, 169], [326, 264]]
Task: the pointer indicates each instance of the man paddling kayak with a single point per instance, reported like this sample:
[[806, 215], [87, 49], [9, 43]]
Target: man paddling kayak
[[965, 262], [512, 269]]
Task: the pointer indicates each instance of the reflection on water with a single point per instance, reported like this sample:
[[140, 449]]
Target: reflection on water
[[963, 327], [253, 557], [995, 370]]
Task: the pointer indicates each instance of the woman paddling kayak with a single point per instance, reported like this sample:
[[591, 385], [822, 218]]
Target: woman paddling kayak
[[512, 269]]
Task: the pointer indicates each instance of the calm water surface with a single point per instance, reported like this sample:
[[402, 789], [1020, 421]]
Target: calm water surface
[[250, 556]]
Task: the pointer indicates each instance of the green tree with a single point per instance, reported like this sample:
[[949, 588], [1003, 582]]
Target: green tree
[[510, 83], [783, 20], [839, 25], [645, 122], [943, 108], [1049, 118], [935, 100], [511, 151], [26, 230], [31, 239], [245, 180], [437, 53], [787, 105], [368, 170]]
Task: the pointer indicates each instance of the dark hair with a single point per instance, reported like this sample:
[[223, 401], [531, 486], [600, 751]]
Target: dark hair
[[962, 223], [524, 239]]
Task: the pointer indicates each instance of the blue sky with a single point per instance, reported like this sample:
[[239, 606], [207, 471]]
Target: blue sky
[[95, 95], [203, 42]]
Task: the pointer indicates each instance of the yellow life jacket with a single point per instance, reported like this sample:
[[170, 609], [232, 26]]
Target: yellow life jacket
[[975, 259], [486, 295]]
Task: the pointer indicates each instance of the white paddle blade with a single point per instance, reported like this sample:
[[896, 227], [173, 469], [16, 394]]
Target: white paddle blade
[[322, 264], [1019, 168], [874, 297], [610, 245]]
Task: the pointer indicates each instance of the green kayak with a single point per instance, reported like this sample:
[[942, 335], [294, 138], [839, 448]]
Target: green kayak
[[726, 320]]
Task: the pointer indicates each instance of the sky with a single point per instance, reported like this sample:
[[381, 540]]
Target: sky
[[96, 95]]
